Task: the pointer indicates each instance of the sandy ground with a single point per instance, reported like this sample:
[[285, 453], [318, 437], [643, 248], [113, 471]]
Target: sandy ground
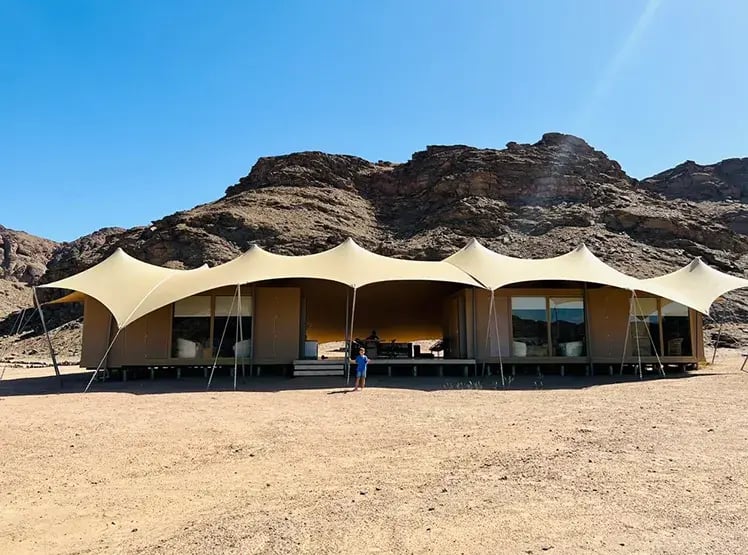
[[407, 466]]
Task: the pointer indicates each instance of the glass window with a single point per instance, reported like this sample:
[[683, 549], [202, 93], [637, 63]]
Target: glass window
[[676, 329], [228, 316], [567, 326], [191, 327], [529, 327], [644, 329]]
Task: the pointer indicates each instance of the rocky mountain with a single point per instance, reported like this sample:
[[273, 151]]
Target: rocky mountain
[[23, 261], [531, 200]]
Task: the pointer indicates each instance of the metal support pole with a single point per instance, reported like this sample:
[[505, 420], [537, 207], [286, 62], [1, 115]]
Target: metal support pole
[[253, 309], [498, 338], [587, 330], [346, 358], [220, 343], [238, 331], [353, 319], [46, 334], [626, 336]]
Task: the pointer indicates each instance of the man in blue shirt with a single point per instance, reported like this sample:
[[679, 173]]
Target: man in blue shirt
[[361, 362]]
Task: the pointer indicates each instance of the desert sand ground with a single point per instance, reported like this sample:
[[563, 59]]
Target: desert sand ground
[[583, 465]]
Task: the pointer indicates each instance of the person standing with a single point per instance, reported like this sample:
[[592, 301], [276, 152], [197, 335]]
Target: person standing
[[362, 361]]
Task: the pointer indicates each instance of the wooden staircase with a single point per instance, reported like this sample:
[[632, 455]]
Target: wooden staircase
[[319, 367]]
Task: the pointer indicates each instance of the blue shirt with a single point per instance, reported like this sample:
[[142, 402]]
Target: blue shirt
[[361, 362]]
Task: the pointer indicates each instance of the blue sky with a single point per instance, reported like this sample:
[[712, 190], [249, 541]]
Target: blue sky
[[119, 113]]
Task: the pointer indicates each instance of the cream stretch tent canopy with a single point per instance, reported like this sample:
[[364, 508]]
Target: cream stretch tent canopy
[[348, 264], [130, 288], [496, 270], [120, 282], [697, 285]]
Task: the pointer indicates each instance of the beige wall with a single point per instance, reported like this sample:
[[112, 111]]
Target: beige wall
[[490, 348], [277, 324], [608, 312], [97, 324]]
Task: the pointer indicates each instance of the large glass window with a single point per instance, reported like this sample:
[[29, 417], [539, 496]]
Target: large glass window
[[529, 327], [191, 327], [567, 326], [644, 328], [237, 323], [676, 329]]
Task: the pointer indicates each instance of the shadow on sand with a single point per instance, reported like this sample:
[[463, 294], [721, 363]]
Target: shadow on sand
[[76, 383]]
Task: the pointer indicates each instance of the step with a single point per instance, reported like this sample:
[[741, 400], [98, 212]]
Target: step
[[319, 372]]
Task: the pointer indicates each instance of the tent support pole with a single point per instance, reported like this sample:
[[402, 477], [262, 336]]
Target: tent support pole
[[626, 336], [220, 343], [498, 338], [636, 330], [587, 330], [475, 335], [46, 334], [654, 347], [346, 358], [488, 333], [238, 331], [253, 307], [716, 343], [106, 354], [353, 319]]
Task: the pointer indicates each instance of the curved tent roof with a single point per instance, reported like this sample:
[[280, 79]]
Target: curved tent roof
[[697, 285], [120, 282], [130, 288], [496, 270], [348, 264]]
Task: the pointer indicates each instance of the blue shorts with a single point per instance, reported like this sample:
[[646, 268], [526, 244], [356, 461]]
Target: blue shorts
[[360, 373]]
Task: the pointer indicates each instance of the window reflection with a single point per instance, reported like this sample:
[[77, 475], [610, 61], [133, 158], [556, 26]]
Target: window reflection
[[644, 331], [237, 339], [191, 327], [529, 327], [676, 329], [567, 326]]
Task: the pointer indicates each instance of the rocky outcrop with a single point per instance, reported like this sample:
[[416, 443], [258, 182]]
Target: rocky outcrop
[[724, 181], [23, 257]]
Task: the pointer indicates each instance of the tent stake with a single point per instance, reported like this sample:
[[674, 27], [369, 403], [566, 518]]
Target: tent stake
[[46, 334]]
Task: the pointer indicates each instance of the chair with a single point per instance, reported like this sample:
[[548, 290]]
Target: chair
[[519, 349], [242, 349], [186, 348]]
